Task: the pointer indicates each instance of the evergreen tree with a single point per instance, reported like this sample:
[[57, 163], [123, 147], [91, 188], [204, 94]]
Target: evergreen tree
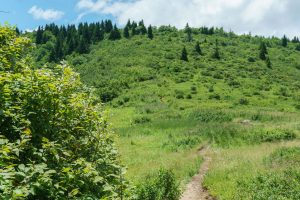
[[263, 51], [216, 54], [83, 46], [17, 31], [268, 62], [150, 32], [52, 55], [295, 40], [188, 31], [133, 28], [114, 34], [184, 55], [284, 41], [128, 24], [142, 28], [126, 32], [59, 54], [198, 48], [39, 36], [298, 47], [98, 34], [108, 26]]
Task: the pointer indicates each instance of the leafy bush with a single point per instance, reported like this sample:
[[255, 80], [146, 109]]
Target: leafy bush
[[161, 186], [54, 137], [275, 135], [141, 120], [211, 116], [284, 156], [272, 185], [244, 101]]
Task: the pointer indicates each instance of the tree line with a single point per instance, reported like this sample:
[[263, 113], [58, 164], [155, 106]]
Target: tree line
[[72, 38]]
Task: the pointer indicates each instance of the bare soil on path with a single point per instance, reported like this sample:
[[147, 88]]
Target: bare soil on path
[[195, 190]]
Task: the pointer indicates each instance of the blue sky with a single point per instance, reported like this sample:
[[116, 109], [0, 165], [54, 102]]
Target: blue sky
[[262, 17]]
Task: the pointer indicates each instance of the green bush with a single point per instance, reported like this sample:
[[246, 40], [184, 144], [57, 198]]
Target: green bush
[[211, 116], [161, 186], [272, 185], [284, 156], [54, 137], [141, 120], [275, 135]]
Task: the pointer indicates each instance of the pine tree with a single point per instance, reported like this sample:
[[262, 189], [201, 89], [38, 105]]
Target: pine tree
[[188, 31], [216, 54], [59, 54], [295, 40], [268, 62], [17, 31], [263, 51], [142, 28], [184, 55], [133, 28], [52, 56], [108, 26], [39, 36], [298, 47], [284, 41], [83, 46], [198, 48], [126, 32], [128, 24], [150, 32], [114, 34]]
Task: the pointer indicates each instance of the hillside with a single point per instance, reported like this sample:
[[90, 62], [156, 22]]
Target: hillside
[[163, 108]]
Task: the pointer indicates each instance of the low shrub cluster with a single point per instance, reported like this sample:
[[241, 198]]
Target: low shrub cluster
[[159, 186]]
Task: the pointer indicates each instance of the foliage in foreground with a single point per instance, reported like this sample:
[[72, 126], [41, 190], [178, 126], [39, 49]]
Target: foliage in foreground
[[54, 138]]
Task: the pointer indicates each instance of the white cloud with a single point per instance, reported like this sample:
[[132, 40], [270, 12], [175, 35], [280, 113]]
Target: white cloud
[[258, 16], [48, 14]]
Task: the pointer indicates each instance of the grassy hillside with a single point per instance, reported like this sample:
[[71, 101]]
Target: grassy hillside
[[163, 108]]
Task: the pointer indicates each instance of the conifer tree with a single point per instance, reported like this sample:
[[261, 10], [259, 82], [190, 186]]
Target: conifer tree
[[114, 34], [128, 24], [184, 55], [150, 32], [263, 51], [108, 26], [17, 31], [295, 40], [133, 28], [268, 62], [83, 46], [198, 48], [39, 36], [126, 32], [298, 47], [216, 53], [142, 28], [284, 41], [188, 31]]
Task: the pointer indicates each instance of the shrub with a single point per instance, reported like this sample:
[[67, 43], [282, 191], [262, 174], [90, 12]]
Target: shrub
[[54, 136], [179, 94], [272, 185], [275, 135], [161, 186], [244, 101], [284, 156], [211, 116], [141, 120]]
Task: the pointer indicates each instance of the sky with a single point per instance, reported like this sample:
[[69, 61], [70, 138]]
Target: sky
[[260, 17]]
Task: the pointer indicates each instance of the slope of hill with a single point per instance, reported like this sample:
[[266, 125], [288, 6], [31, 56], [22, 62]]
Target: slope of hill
[[163, 107]]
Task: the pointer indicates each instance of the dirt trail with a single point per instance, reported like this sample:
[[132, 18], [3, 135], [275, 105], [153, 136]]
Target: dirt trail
[[195, 189]]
